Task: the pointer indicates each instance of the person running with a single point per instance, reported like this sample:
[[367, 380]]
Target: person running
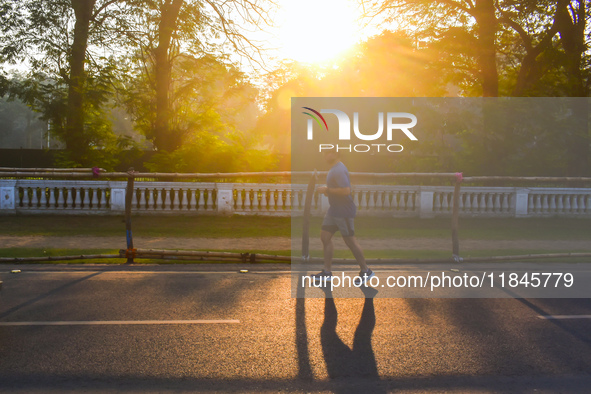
[[339, 217]]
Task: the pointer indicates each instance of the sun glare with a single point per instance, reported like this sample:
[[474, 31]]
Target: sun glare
[[314, 31]]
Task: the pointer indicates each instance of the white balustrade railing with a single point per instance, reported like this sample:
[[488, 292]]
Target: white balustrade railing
[[270, 199], [174, 197], [548, 202], [108, 197], [488, 201], [376, 200], [40, 196]]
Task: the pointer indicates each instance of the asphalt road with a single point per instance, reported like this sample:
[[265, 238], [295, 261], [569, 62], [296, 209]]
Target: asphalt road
[[243, 332]]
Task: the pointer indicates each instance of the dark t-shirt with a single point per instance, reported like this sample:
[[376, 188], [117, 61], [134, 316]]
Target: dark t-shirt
[[340, 206]]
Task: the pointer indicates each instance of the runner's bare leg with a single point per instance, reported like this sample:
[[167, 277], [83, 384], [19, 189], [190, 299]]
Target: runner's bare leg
[[357, 251], [328, 247]]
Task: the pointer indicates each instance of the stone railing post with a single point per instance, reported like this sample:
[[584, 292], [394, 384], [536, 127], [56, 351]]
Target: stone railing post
[[225, 198], [117, 196], [521, 196], [426, 204], [7, 197]]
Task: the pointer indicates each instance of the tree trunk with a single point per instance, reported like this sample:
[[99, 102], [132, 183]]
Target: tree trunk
[[484, 13], [74, 135], [532, 69], [530, 72], [162, 68], [571, 27]]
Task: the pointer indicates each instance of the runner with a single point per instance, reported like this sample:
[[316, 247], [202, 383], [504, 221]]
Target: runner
[[340, 217]]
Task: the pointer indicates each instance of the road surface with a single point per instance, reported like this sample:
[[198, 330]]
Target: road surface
[[188, 328]]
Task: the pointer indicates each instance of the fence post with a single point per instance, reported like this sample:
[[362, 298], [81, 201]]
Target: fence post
[[455, 219], [426, 204], [130, 252], [8, 197], [225, 198], [521, 196]]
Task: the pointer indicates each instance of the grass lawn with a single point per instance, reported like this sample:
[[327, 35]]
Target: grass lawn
[[156, 226], [260, 226]]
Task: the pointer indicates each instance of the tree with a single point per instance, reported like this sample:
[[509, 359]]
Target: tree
[[474, 22], [64, 43], [508, 46], [206, 96], [571, 23], [387, 65], [74, 131], [167, 31]]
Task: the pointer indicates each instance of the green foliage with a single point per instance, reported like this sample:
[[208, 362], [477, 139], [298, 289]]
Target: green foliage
[[539, 46], [480, 137], [540, 49], [209, 99], [40, 35], [205, 93], [48, 97], [207, 152]]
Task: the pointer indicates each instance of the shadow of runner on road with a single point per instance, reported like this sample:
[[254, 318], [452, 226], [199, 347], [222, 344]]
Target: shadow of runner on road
[[358, 362], [304, 367]]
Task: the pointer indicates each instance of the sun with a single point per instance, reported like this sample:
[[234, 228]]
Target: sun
[[314, 31]]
